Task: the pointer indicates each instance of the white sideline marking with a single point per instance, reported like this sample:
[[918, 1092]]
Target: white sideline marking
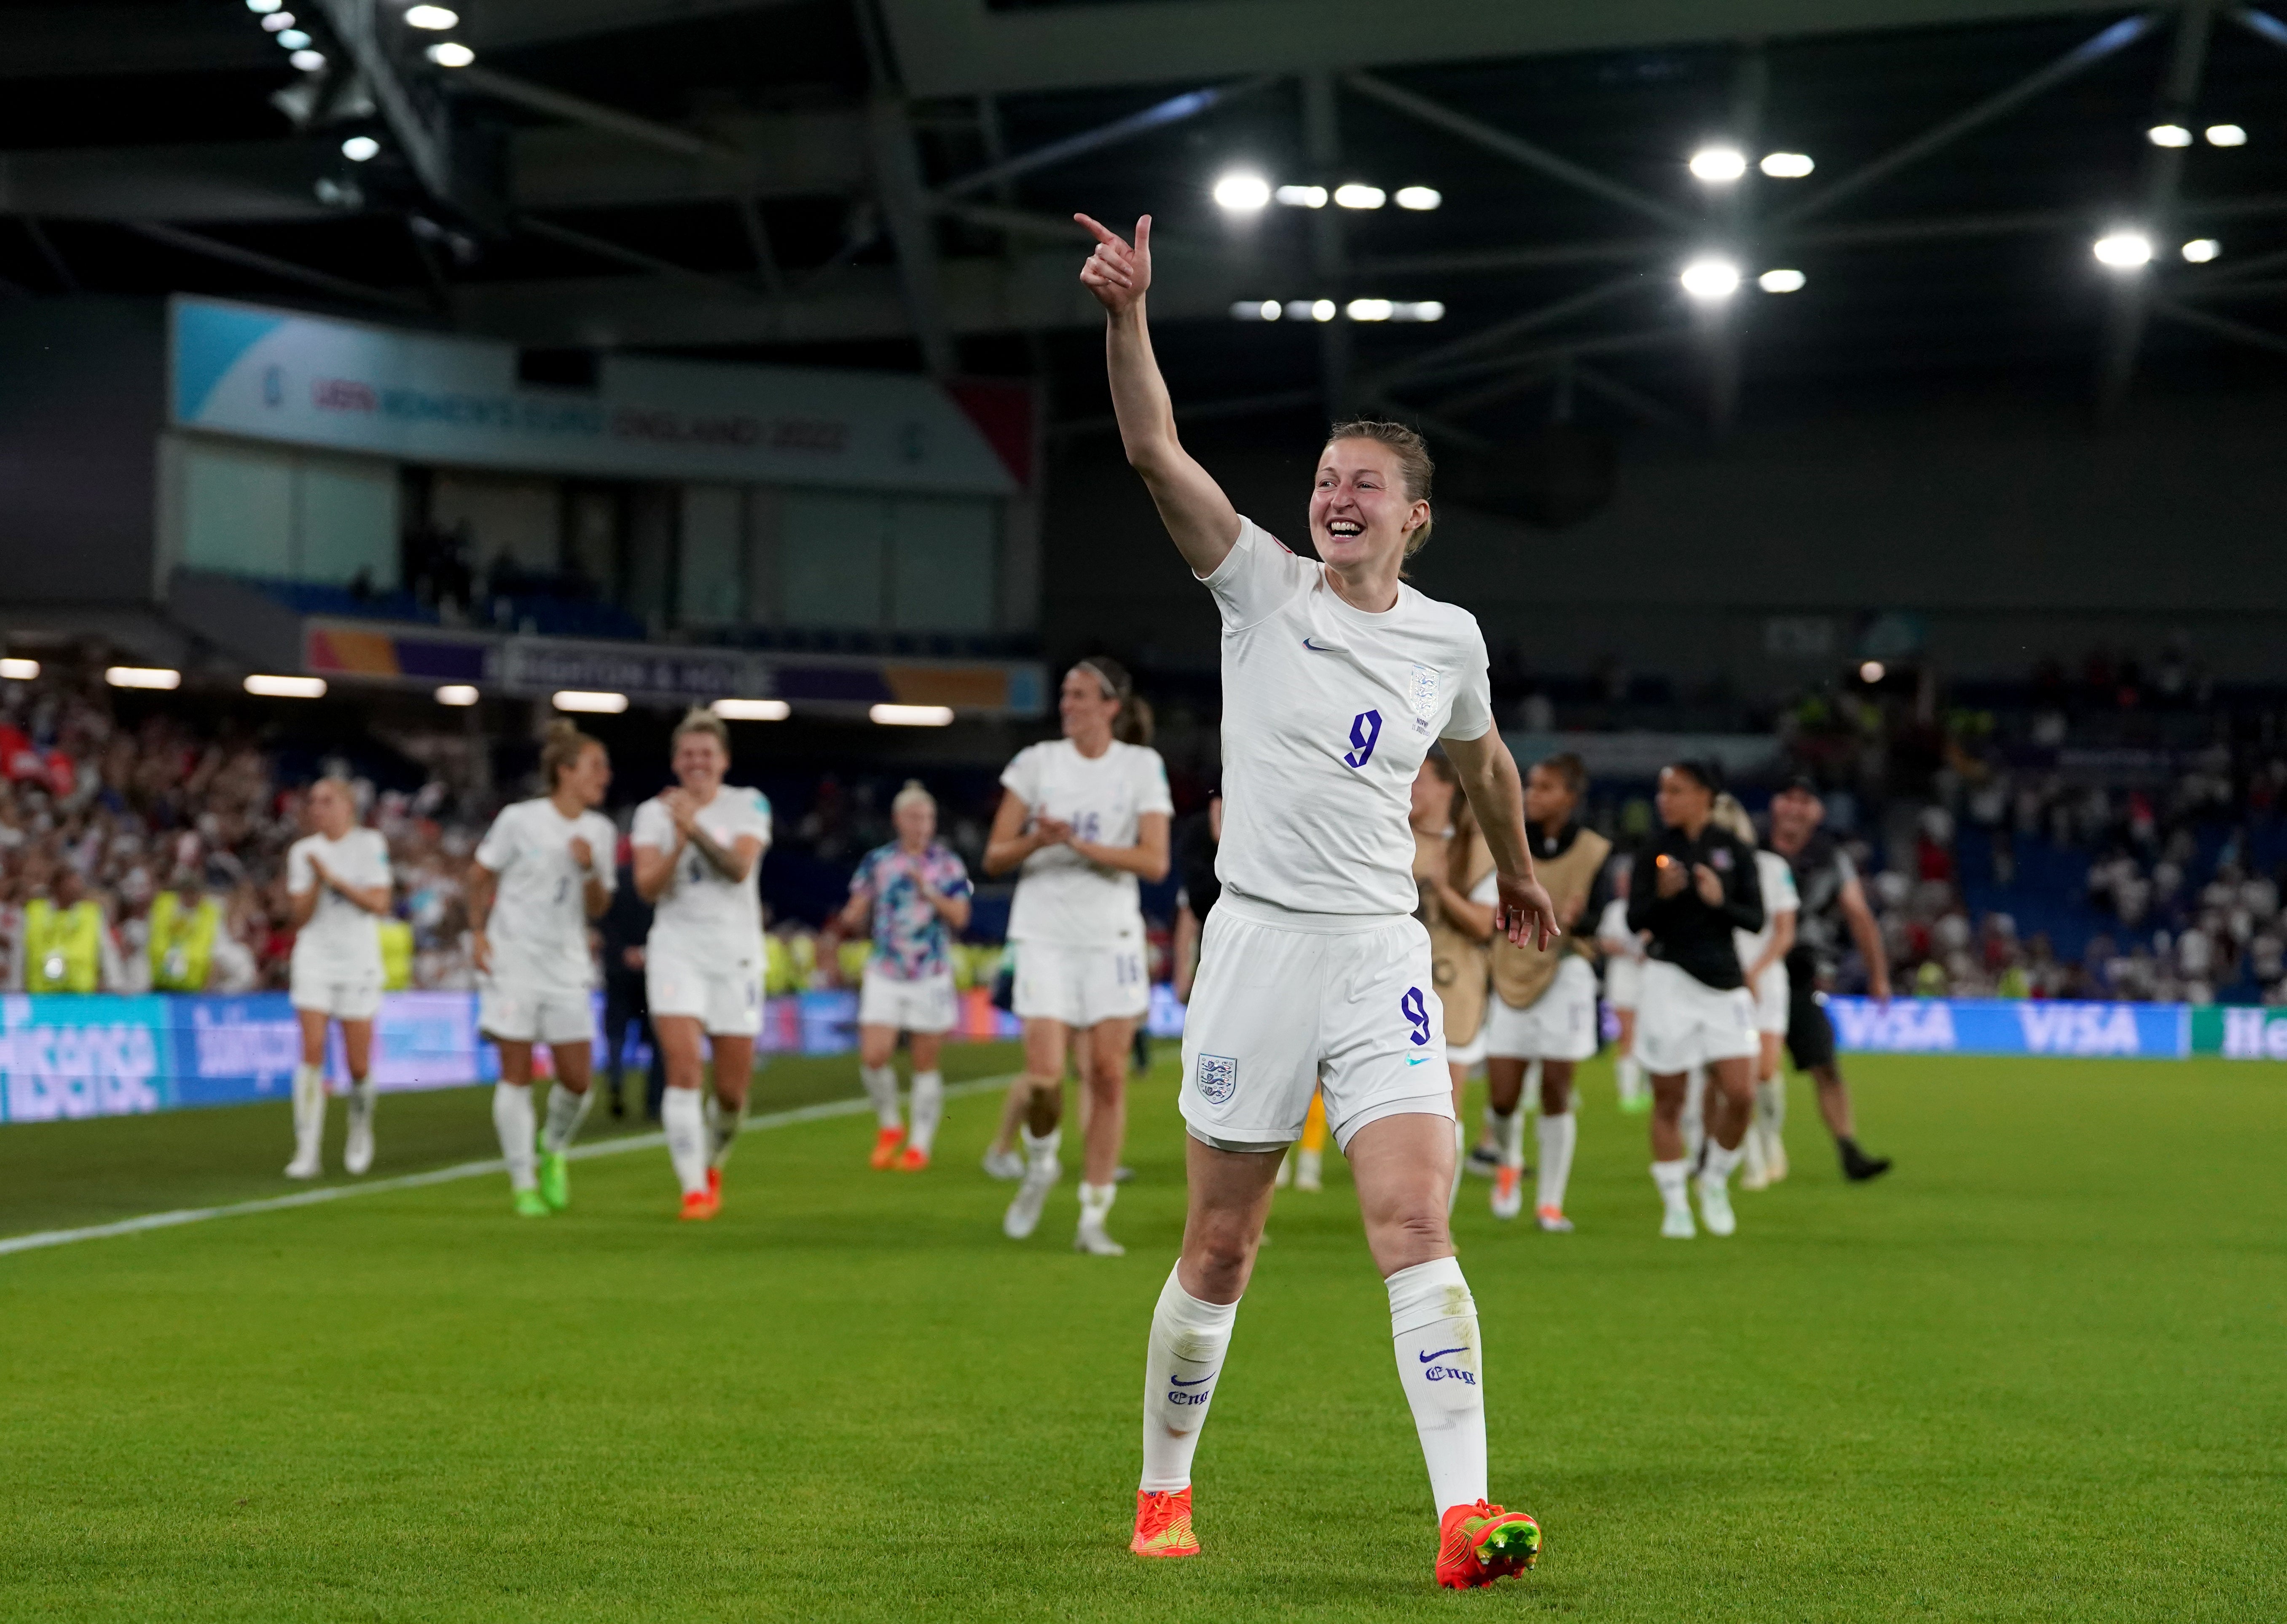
[[442, 1175]]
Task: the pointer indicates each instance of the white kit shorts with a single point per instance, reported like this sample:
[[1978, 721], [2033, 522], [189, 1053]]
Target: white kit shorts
[[925, 1005], [514, 1010], [1081, 986], [1772, 995], [724, 995], [336, 998], [1684, 1022], [1623, 981], [1470, 1055], [1288, 1002], [1559, 1024]]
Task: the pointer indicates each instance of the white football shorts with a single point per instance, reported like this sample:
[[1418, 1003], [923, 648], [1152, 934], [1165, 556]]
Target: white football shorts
[[1623, 981], [724, 995], [1081, 986], [1470, 1055], [513, 1010], [925, 1005], [1682, 1022], [1289, 1002], [356, 997], [1772, 996], [1559, 1024]]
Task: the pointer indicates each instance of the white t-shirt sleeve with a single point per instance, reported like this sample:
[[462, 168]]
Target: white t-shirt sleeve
[[758, 823], [1779, 893], [1472, 693], [1488, 889], [601, 839], [653, 827], [301, 875], [499, 844], [1022, 776], [377, 868], [1151, 793], [1256, 576]]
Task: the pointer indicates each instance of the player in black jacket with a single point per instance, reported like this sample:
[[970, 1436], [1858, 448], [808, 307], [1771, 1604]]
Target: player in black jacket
[[1693, 885]]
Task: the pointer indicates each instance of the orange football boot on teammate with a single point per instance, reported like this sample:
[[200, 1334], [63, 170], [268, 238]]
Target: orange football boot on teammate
[[1479, 1543], [913, 1160], [885, 1147], [699, 1205], [1163, 1523]]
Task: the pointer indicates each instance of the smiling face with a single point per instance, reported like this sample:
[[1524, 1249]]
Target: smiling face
[[1794, 813], [588, 777], [700, 763], [916, 823], [330, 809], [1084, 709], [1548, 799], [1360, 515]]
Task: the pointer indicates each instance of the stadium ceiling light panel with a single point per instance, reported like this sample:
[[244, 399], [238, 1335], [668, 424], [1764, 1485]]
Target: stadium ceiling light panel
[[1242, 193], [360, 149], [1710, 279], [263, 8], [752, 710], [456, 693], [590, 703], [1301, 197], [1420, 198], [450, 53], [294, 39], [1357, 194], [2226, 135], [308, 62], [434, 16], [1322, 310], [911, 716], [20, 670], [1786, 166], [142, 676], [277, 22], [2169, 134], [286, 687], [2199, 250], [1781, 282], [1368, 310], [2122, 250], [1719, 164]]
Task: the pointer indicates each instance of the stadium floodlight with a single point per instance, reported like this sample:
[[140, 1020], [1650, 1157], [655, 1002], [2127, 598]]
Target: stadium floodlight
[[286, 687], [1239, 192], [752, 710], [1300, 197], [1357, 194], [2169, 134], [308, 62], [263, 8], [436, 17], [142, 676], [1872, 672], [458, 694], [1710, 279], [1322, 310], [589, 702], [1418, 310], [1781, 282], [1368, 310], [2199, 250], [294, 39], [2122, 250], [20, 670], [1420, 198], [1257, 310], [2226, 135], [360, 149], [1786, 166], [1719, 165], [450, 53], [911, 716], [277, 22]]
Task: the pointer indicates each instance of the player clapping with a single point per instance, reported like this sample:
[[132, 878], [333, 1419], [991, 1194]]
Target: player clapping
[[337, 881]]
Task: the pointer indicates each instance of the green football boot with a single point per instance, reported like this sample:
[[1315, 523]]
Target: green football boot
[[555, 1180], [529, 1204]]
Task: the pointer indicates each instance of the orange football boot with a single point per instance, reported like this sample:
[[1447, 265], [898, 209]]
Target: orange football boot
[[1163, 1523], [1479, 1543], [885, 1147], [913, 1160], [699, 1205], [715, 1184]]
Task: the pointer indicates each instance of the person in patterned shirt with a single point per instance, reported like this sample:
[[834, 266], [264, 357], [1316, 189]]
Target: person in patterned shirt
[[913, 895]]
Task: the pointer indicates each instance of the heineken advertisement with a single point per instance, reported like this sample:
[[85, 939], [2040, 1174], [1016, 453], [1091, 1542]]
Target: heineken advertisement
[[2239, 1033]]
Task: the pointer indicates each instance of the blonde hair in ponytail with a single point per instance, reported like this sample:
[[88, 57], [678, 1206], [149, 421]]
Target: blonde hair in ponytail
[[1732, 819], [561, 747]]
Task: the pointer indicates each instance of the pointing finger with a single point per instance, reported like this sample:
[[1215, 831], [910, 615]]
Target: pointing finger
[[1102, 235]]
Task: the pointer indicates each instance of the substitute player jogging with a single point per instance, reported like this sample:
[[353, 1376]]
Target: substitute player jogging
[[337, 883], [1337, 679], [542, 871]]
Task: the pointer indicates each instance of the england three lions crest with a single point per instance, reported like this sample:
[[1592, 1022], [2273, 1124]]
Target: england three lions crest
[[1217, 1076], [1421, 693]]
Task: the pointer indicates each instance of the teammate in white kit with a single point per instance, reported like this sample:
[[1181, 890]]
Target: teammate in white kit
[[1082, 818], [1763, 960], [1337, 679], [1623, 952], [542, 871], [697, 849], [913, 896], [337, 881]]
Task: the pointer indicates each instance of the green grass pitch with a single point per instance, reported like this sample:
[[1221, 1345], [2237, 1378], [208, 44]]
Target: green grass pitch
[[2040, 1373]]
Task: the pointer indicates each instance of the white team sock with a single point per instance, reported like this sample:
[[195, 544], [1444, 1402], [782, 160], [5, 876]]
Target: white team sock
[[1509, 1131], [1433, 1320], [881, 1088], [1558, 1134], [685, 1119], [1629, 1075], [309, 1110], [1095, 1203], [723, 1127], [1695, 1112], [360, 1101], [566, 1112], [929, 1109], [1674, 1179], [1042, 1152], [1720, 1161], [1770, 1106], [512, 1121], [1182, 1361]]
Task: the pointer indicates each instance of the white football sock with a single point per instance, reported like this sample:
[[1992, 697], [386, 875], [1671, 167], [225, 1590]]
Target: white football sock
[[1695, 1112], [1095, 1203], [684, 1118], [1557, 1134], [1629, 1075], [1770, 1105], [360, 1101], [1509, 1131], [1720, 1161], [1433, 1320], [309, 1109], [1674, 1179], [723, 1126], [1182, 1361], [512, 1121], [929, 1109], [566, 1112], [1042, 1152], [881, 1088]]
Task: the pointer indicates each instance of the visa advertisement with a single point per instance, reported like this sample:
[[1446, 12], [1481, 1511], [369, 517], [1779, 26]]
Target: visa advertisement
[[2003, 1026], [274, 374]]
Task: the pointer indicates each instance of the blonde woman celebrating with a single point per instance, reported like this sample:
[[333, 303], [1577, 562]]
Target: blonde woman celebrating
[[338, 887]]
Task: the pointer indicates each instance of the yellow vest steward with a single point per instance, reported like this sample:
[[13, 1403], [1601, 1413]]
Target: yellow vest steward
[[396, 955], [182, 944], [63, 951], [1521, 974], [1457, 961]]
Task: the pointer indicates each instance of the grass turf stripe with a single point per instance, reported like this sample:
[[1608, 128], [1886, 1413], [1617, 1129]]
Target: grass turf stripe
[[40, 1239]]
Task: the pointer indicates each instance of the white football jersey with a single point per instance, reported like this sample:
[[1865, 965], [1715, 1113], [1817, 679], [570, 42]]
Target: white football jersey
[[342, 942], [539, 924], [1779, 896], [701, 914], [1614, 937], [1061, 896], [1327, 712]]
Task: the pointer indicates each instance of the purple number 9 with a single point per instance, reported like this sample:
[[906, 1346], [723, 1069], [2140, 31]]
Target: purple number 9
[[1365, 733], [1417, 1013]]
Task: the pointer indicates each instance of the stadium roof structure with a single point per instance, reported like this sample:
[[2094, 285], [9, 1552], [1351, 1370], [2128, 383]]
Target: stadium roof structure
[[890, 182]]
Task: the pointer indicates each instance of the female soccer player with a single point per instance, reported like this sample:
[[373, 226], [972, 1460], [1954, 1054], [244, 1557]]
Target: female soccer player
[[913, 894], [1693, 885], [1763, 960], [1459, 890], [1337, 678], [1623, 952], [337, 881], [542, 871], [697, 850], [1083, 816]]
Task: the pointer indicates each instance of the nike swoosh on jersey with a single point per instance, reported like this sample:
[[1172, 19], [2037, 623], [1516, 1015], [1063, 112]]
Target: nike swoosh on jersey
[[1318, 648]]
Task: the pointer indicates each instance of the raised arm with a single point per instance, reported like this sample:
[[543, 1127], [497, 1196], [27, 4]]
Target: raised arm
[[1191, 505]]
